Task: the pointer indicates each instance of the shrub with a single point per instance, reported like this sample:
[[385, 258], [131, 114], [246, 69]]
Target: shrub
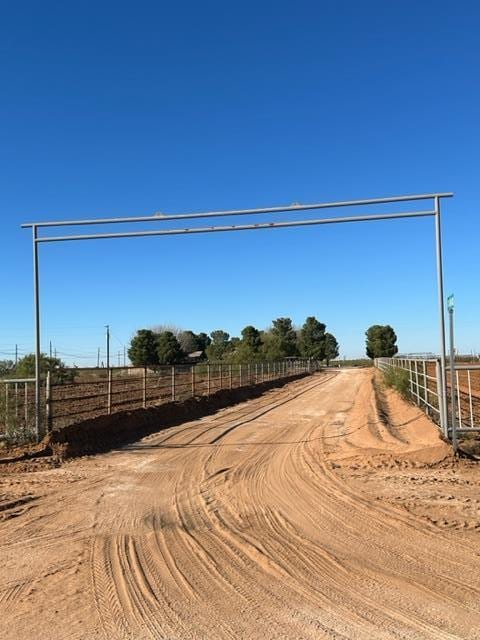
[[397, 379]]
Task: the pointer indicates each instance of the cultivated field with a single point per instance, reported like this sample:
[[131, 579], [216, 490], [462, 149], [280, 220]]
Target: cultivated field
[[306, 513]]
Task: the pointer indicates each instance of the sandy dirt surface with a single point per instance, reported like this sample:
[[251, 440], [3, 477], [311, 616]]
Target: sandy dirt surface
[[305, 513]]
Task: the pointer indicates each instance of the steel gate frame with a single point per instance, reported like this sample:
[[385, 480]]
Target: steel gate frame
[[435, 212]]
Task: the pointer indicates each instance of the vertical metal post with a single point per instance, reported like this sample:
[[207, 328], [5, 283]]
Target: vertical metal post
[[425, 387], [458, 400], [108, 345], [221, 375], [208, 379], [262, 372], [36, 298], [230, 375], [416, 382], [441, 405], [452, 384], [193, 380], [48, 400], [249, 373], [441, 309], [173, 383], [144, 387], [16, 399], [470, 397], [6, 407], [25, 406], [109, 392], [240, 375]]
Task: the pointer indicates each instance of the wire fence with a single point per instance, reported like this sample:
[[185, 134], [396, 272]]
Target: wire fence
[[422, 382], [98, 392]]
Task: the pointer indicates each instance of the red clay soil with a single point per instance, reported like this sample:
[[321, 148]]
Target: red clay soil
[[306, 513]]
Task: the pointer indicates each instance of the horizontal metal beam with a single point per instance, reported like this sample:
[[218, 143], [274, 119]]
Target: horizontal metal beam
[[239, 227], [239, 212]]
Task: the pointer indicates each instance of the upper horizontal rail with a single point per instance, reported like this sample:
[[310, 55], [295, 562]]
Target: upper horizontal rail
[[238, 212], [239, 227]]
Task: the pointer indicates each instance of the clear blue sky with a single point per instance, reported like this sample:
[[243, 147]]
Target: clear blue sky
[[116, 109]]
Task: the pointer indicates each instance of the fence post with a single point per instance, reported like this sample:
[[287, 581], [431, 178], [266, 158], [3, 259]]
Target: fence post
[[441, 406], [458, 400], [173, 383], [25, 406], [6, 406], [416, 381], [48, 403], [240, 374], [249, 373], [193, 380], [208, 379], [425, 388], [16, 399], [470, 397], [109, 392], [262, 369], [144, 387], [230, 375], [221, 376]]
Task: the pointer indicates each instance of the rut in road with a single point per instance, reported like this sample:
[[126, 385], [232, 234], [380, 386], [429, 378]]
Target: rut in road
[[238, 526]]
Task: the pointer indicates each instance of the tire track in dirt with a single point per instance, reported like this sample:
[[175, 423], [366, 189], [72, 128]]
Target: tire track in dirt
[[238, 526]]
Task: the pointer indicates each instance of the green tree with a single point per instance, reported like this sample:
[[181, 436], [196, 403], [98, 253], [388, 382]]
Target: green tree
[[189, 342], [6, 368], [220, 346], [381, 341], [249, 348], [331, 348], [59, 371], [143, 349], [169, 350], [203, 341], [312, 339], [280, 341]]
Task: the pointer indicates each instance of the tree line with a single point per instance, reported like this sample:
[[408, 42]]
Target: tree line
[[153, 347]]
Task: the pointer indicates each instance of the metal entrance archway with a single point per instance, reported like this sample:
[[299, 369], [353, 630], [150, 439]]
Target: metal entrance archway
[[435, 212]]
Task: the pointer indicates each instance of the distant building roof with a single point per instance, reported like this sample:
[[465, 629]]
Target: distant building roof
[[195, 354]]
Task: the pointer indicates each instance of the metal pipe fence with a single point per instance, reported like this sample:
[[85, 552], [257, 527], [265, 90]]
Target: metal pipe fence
[[423, 384], [99, 392], [17, 409]]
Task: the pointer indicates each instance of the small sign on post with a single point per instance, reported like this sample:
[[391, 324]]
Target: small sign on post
[[451, 302]]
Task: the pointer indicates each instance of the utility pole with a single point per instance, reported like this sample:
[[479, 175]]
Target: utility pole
[[50, 349], [108, 345], [98, 358], [124, 356], [118, 357], [16, 355]]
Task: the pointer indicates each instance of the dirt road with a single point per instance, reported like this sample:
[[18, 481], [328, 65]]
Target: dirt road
[[302, 514]]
